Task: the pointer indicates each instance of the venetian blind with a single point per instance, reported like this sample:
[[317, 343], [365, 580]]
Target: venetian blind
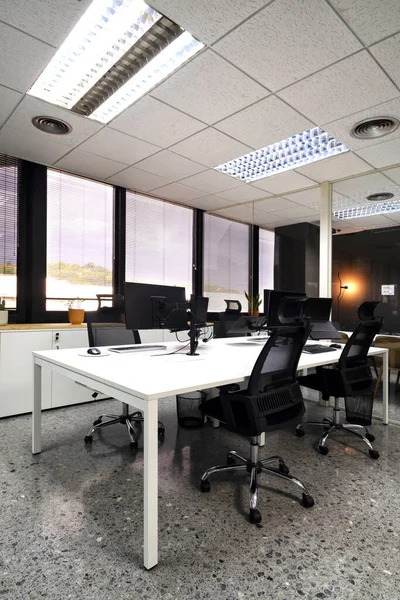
[[8, 228]]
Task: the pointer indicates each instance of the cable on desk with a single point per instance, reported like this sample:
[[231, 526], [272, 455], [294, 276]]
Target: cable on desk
[[174, 352]]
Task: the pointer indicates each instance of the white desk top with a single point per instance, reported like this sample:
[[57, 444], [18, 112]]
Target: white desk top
[[149, 375]]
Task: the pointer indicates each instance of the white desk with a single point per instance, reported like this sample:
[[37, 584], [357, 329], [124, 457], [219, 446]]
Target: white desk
[[141, 379]]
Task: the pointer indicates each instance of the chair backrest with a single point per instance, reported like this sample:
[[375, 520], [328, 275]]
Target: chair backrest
[[366, 310], [273, 396], [277, 362], [355, 352], [106, 328]]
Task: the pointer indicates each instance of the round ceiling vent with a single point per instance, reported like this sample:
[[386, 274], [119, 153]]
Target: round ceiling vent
[[52, 125], [374, 128], [380, 197]]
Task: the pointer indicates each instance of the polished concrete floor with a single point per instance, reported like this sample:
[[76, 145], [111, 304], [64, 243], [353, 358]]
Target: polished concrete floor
[[71, 518]]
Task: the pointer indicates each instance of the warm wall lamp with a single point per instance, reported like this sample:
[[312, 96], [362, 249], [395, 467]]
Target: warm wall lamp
[[342, 289]]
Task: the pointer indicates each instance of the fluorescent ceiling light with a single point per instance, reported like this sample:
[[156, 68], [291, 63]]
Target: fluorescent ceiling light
[[368, 210], [157, 69], [104, 33], [296, 151]]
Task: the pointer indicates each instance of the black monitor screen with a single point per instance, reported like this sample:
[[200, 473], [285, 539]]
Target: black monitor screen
[[274, 298], [318, 309], [140, 299]]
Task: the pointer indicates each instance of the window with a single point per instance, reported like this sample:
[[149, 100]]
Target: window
[[158, 242], [266, 262], [79, 240], [226, 262], [8, 229]]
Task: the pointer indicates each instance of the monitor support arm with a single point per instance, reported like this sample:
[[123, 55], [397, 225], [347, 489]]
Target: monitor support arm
[[194, 334]]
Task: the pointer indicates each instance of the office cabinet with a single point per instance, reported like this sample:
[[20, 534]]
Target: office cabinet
[[16, 371]]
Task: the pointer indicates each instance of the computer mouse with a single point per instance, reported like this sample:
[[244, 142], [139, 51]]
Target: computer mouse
[[338, 346], [94, 351]]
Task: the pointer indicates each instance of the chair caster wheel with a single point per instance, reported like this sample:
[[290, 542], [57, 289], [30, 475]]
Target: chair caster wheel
[[308, 501], [230, 460], [374, 454], [161, 432], [205, 486], [323, 449], [283, 469], [97, 422], [88, 439], [255, 516], [370, 437], [299, 433]]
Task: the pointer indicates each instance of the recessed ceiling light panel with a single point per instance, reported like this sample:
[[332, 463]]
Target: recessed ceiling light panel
[[301, 149], [367, 211], [163, 64], [377, 127], [104, 34]]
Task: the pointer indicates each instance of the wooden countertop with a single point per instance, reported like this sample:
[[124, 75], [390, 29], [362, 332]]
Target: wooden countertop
[[38, 326]]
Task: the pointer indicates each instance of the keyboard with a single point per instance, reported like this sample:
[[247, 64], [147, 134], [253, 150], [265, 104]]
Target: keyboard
[[316, 349], [138, 348]]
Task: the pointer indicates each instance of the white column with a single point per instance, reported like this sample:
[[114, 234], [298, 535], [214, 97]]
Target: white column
[[325, 241]]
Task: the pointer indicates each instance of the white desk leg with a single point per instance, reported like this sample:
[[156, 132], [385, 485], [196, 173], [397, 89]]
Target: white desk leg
[[150, 557], [215, 423], [37, 410], [261, 439], [385, 390]]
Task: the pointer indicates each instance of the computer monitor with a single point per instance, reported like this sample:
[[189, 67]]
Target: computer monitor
[[272, 299], [198, 310], [318, 310], [143, 299]]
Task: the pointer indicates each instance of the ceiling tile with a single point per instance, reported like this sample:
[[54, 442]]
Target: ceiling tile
[[340, 129], [349, 86], [362, 186], [209, 88], [209, 202], [273, 204], [212, 182], [177, 192], [118, 146], [170, 165], [48, 20], [243, 193], [266, 122], [335, 167], [265, 219], [138, 180], [29, 146], [296, 211], [23, 58], [90, 165], [382, 155], [371, 20], [156, 122], [207, 20], [340, 202], [372, 222], [394, 174], [8, 101], [287, 41], [387, 54], [283, 182], [244, 212], [307, 197], [210, 147], [285, 222], [30, 107]]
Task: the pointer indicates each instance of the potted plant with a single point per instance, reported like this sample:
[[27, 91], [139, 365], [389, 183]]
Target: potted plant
[[3, 312], [76, 313], [254, 303]]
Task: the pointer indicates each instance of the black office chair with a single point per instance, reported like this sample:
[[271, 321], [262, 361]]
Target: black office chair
[[272, 398], [105, 328], [351, 379], [227, 318]]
